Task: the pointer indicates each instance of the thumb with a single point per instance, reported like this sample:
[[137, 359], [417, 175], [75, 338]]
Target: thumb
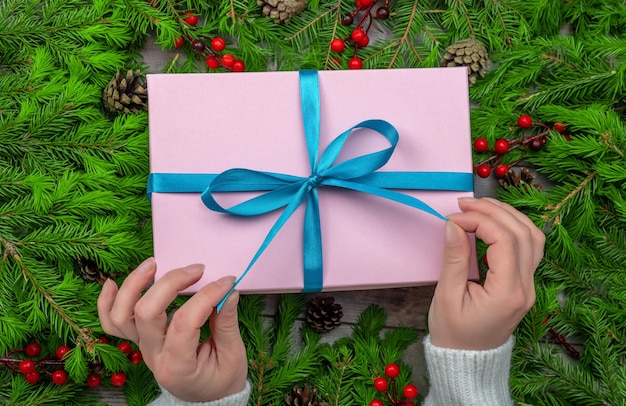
[[225, 324], [456, 261]]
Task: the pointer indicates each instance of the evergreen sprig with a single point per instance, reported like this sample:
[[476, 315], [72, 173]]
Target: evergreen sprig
[[343, 371], [72, 186]]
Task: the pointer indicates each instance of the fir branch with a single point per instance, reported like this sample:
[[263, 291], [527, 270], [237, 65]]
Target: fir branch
[[405, 35], [554, 210], [80, 332]]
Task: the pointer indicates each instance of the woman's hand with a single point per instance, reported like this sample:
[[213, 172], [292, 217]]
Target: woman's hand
[[466, 315], [189, 369]]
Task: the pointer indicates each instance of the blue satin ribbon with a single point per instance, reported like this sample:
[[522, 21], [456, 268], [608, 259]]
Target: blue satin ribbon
[[288, 191]]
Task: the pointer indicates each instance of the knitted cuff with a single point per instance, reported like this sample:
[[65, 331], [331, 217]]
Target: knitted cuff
[[468, 378], [237, 399]]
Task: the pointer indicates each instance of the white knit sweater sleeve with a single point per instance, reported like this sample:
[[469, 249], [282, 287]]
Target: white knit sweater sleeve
[[468, 378], [237, 399]]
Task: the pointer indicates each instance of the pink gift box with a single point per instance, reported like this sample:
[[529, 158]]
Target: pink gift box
[[209, 123]]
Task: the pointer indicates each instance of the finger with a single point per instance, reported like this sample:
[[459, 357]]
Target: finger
[[122, 311], [504, 274], [510, 223], [225, 327], [529, 238], [537, 235], [455, 266], [105, 304], [150, 311], [183, 334]]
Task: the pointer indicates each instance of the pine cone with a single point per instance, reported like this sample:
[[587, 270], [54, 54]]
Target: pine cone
[[90, 272], [125, 94], [467, 52], [519, 180], [323, 314], [306, 396], [281, 10]]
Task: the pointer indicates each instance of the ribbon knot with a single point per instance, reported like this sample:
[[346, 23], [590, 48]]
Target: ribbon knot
[[314, 181]]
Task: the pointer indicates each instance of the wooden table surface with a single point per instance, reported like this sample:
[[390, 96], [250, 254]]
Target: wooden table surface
[[404, 306]]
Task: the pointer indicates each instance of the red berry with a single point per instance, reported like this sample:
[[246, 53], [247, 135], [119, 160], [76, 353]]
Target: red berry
[[228, 60], [191, 19], [33, 349], [135, 357], [363, 42], [481, 145], [59, 377], [103, 340], [118, 378], [93, 380], [501, 170], [61, 351], [212, 62], [366, 3], [32, 377], [338, 45], [410, 391], [218, 44], [197, 46], [238, 66], [407, 403], [347, 20], [382, 13], [392, 370], [27, 366], [501, 146], [357, 35], [376, 402], [560, 127], [524, 121], [535, 144], [483, 170], [355, 63], [178, 42], [381, 384], [125, 347]]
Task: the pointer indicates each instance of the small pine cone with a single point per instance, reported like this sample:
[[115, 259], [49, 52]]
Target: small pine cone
[[519, 180], [323, 314], [306, 396], [467, 52], [125, 94], [281, 11], [90, 272]]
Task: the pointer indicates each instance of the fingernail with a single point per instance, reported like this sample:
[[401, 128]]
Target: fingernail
[[451, 235], [494, 201], [225, 281], [467, 199], [146, 266], [194, 269], [229, 305], [106, 286]]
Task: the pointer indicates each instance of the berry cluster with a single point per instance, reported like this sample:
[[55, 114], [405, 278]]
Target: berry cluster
[[359, 36], [382, 385], [210, 53], [533, 141], [28, 362]]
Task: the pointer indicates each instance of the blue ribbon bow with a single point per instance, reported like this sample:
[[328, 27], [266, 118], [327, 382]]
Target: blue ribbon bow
[[290, 191]]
